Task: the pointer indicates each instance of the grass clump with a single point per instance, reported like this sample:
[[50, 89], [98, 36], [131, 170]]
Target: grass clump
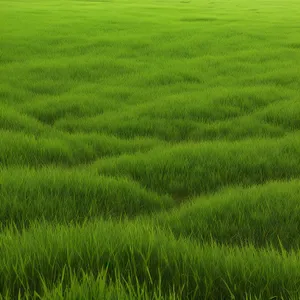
[[59, 195], [189, 169], [263, 215], [56, 148]]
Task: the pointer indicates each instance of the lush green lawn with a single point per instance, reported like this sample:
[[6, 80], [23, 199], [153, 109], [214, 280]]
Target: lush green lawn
[[150, 149]]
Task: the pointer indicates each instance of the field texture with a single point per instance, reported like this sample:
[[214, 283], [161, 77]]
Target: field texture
[[150, 149]]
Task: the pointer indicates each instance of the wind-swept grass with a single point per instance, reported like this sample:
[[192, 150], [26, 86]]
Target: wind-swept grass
[[46, 255], [149, 150]]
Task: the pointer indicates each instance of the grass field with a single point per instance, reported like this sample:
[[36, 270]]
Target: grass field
[[150, 149]]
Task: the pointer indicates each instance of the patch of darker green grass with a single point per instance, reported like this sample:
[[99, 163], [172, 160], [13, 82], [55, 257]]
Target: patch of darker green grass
[[294, 45]]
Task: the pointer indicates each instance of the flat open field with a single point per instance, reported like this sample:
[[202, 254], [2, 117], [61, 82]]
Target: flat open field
[[150, 149]]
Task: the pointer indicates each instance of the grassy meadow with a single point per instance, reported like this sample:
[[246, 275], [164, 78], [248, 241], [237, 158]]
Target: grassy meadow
[[150, 149]]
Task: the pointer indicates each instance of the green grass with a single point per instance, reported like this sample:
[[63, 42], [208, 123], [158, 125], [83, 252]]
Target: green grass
[[149, 150]]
